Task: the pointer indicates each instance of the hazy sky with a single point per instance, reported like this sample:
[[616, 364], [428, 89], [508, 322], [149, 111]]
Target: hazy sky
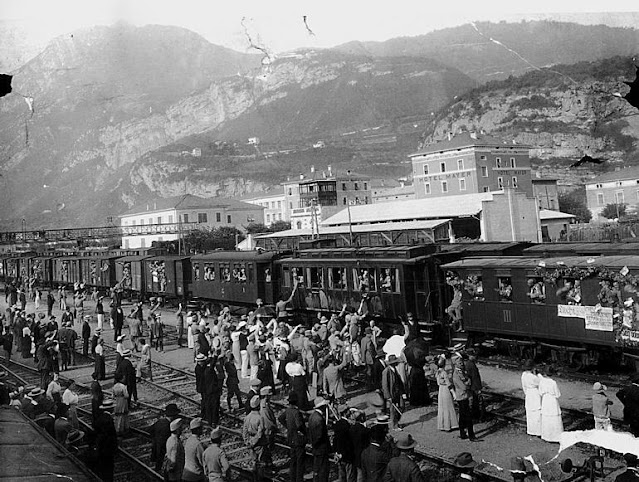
[[279, 24]]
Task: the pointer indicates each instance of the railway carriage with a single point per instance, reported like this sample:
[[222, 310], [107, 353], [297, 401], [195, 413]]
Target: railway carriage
[[167, 276], [575, 304], [66, 270], [129, 273], [235, 277], [98, 269], [41, 268]]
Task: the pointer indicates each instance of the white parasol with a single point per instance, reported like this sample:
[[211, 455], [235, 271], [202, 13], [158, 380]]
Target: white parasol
[[394, 345]]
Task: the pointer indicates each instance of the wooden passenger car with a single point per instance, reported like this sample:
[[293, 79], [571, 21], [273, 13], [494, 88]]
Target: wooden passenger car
[[66, 270], [129, 272], [234, 277], [168, 276], [387, 282], [589, 302], [98, 269]]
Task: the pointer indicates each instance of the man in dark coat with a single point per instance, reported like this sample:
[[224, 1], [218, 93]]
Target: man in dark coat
[[629, 396], [254, 391], [475, 383], [393, 389], [106, 441], [211, 390], [343, 445], [94, 340], [117, 315], [368, 356], [374, 457], [203, 343], [70, 338], [160, 431], [86, 334], [360, 435], [320, 443], [126, 373], [403, 468], [50, 303], [200, 368], [293, 421], [631, 474]]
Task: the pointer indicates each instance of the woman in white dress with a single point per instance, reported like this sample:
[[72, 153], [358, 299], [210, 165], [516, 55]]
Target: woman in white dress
[[530, 385], [189, 330], [551, 424]]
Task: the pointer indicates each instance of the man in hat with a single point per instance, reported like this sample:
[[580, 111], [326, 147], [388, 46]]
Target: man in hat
[[631, 474], [174, 453], [126, 373], [200, 387], [343, 445], [470, 364], [70, 339], [465, 465], [360, 436], [404, 468], [99, 313], [106, 441], [193, 454], [368, 356], [86, 334], [393, 389], [212, 392], [216, 465], [232, 381], [601, 407], [64, 352], [375, 458], [94, 340], [293, 421], [160, 432], [629, 396], [117, 317], [254, 437], [270, 424], [253, 392], [462, 384], [67, 316], [318, 438]]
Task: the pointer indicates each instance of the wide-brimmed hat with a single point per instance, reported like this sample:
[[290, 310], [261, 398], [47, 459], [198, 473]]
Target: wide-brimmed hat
[[175, 424], [106, 404], [88, 318], [256, 382], [75, 436], [36, 392], [126, 353], [464, 460], [255, 402], [382, 419], [120, 338], [196, 423], [405, 441], [323, 320], [392, 360], [320, 402], [598, 387], [200, 357], [172, 410], [458, 347], [241, 325]]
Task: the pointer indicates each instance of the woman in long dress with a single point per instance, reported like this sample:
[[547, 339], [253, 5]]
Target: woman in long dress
[[190, 339], [26, 342], [446, 415], [551, 424], [99, 361], [530, 385], [121, 411], [419, 394]]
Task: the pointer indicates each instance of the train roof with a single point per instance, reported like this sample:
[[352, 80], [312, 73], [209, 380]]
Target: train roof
[[631, 261], [403, 252], [257, 255], [46, 458], [586, 248], [127, 259], [482, 248]]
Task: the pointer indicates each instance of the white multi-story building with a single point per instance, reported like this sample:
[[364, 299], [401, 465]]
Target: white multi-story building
[[274, 204], [167, 219]]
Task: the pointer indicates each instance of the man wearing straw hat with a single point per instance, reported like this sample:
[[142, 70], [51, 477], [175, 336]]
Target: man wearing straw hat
[[106, 441], [318, 437], [465, 465], [254, 438], [393, 389], [403, 468], [193, 453]]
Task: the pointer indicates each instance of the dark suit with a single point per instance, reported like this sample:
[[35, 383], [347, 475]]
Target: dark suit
[[368, 356], [630, 475], [86, 334], [106, 441], [403, 469], [160, 431], [360, 435], [126, 373], [374, 462], [320, 444], [475, 388], [293, 421], [392, 389], [629, 396]]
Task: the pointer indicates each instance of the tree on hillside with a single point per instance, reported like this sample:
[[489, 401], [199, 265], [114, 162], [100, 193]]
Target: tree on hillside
[[257, 228], [224, 237], [574, 202], [280, 226], [614, 211]]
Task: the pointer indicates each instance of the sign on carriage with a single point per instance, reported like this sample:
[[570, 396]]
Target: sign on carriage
[[596, 318], [571, 311]]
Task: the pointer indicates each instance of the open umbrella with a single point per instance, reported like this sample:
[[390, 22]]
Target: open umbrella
[[416, 352], [394, 345]]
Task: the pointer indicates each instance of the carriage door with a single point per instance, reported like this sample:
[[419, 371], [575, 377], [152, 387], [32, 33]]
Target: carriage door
[[264, 281]]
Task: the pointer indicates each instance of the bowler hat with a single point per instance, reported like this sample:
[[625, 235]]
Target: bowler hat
[[75, 436], [382, 419], [172, 410], [392, 360], [200, 357], [465, 460], [405, 441]]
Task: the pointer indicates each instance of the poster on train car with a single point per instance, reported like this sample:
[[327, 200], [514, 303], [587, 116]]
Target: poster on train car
[[598, 319], [572, 311]]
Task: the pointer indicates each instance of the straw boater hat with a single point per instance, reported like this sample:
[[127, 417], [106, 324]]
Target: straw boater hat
[[120, 338], [36, 392], [268, 390], [107, 404], [405, 441], [201, 357], [465, 460], [216, 433], [382, 419], [126, 353], [256, 382]]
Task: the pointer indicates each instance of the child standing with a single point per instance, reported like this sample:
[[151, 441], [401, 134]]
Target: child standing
[[601, 407]]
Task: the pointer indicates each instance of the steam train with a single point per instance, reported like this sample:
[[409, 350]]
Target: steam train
[[386, 282]]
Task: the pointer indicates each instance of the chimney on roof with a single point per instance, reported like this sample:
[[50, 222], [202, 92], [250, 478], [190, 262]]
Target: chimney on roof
[[473, 135], [450, 136], [348, 172], [324, 174], [330, 170], [301, 176], [312, 168]]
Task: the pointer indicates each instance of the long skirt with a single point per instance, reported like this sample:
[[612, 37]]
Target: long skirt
[[551, 423], [99, 368], [533, 413], [299, 386], [446, 415], [237, 356], [26, 347], [73, 416], [121, 421], [419, 395]]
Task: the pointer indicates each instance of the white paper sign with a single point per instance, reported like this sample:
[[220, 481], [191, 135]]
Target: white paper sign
[[600, 320], [571, 311]]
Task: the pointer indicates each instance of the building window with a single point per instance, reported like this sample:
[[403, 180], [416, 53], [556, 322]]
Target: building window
[[268, 218], [483, 158], [426, 169], [600, 199], [159, 221], [344, 201], [185, 218], [365, 199], [279, 216], [356, 187], [133, 222], [143, 243], [218, 217], [150, 221], [170, 218], [460, 164], [500, 183], [141, 222], [290, 205], [486, 189], [619, 197], [279, 204], [290, 191], [484, 171], [599, 186], [514, 182], [299, 225], [442, 166], [427, 188], [228, 218], [365, 186], [343, 186], [512, 162], [444, 186], [462, 184], [498, 162], [202, 218]]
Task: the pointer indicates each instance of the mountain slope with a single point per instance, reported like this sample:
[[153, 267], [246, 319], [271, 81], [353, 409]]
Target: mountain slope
[[522, 46]]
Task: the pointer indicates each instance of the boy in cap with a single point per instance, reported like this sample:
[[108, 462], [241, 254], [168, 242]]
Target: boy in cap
[[193, 454], [601, 407], [174, 465], [216, 465]]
